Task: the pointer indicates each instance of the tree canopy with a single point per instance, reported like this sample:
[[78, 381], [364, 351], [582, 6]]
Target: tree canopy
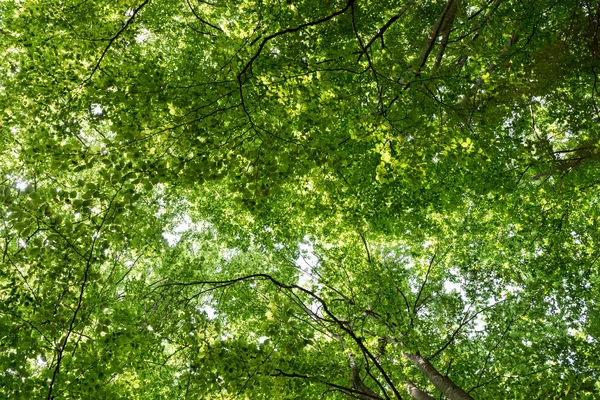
[[299, 199]]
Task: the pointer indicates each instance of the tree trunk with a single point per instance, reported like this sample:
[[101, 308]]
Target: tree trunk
[[417, 393], [442, 383]]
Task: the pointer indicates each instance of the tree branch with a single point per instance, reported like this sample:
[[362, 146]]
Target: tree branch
[[414, 309], [115, 37], [384, 28], [291, 30], [442, 383], [416, 393], [86, 271], [344, 389], [343, 325], [447, 14], [200, 19]]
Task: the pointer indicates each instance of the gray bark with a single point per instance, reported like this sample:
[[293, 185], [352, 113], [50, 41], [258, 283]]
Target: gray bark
[[444, 21], [442, 383], [416, 393], [445, 29], [366, 392]]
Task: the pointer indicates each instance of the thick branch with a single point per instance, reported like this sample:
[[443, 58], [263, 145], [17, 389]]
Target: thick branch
[[366, 392], [447, 15], [442, 383], [445, 30], [417, 393]]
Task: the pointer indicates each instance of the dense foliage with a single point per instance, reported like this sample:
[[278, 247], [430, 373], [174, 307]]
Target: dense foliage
[[254, 199]]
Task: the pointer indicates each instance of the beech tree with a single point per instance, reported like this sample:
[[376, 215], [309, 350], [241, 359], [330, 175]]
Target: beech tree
[[303, 199]]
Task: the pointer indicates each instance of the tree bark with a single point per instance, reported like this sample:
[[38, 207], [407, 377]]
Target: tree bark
[[442, 383], [445, 21], [366, 392], [417, 393], [445, 29]]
